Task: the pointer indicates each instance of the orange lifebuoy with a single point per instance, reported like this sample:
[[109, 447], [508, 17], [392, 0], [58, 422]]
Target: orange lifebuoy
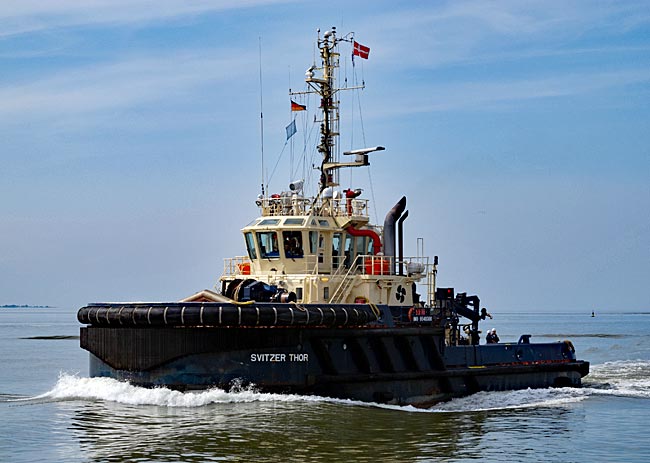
[[410, 315]]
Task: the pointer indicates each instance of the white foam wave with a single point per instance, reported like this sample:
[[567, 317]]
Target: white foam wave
[[72, 387], [620, 378], [629, 378], [623, 378], [510, 400]]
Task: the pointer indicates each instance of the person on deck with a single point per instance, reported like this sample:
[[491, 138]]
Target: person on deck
[[492, 337]]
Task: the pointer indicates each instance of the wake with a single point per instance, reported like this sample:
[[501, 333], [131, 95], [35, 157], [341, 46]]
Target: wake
[[622, 378]]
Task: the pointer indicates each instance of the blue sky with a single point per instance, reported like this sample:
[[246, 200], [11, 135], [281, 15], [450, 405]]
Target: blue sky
[[519, 131]]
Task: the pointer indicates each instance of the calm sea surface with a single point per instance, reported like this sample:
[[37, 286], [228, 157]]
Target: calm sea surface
[[51, 411]]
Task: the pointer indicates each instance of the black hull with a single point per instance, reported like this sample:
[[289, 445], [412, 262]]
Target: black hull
[[400, 365]]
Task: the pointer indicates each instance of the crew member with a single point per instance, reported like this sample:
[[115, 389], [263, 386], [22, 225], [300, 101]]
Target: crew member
[[492, 337]]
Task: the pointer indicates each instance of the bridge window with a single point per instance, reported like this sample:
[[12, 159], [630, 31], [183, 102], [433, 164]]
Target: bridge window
[[268, 242], [313, 241], [250, 245], [354, 246], [348, 251], [361, 245], [293, 221], [336, 250], [267, 222], [292, 244]]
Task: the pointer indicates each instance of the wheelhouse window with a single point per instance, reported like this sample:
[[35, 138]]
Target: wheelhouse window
[[313, 241], [268, 243], [355, 246], [250, 245], [292, 244], [336, 250], [361, 245], [348, 251], [294, 221], [267, 222]]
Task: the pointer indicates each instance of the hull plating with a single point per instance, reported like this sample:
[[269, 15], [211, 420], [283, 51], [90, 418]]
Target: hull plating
[[398, 365]]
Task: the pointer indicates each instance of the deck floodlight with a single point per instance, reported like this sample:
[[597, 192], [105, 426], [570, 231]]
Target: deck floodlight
[[296, 185]]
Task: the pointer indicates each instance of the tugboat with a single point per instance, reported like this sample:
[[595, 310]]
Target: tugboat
[[322, 303]]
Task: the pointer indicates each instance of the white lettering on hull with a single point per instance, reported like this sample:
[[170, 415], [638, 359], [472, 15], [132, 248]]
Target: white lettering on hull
[[279, 357]]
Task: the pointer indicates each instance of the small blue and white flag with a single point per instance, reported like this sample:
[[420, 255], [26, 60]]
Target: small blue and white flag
[[291, 129]]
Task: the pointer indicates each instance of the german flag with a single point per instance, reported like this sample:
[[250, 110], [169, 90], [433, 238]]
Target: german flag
[[297, 107]]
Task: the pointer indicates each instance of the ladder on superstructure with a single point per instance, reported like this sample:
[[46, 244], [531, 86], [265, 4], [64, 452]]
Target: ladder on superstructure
[[344, 287]]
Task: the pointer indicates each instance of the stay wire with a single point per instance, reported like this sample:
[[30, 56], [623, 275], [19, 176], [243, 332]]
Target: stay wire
[[363, 136]]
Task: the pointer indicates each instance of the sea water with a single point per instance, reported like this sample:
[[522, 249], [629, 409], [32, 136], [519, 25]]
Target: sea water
[[50, 410]]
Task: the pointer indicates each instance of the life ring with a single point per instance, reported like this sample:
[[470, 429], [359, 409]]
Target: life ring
[[410, 314]]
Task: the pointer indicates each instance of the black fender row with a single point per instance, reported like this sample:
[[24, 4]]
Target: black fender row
[[227, 314]]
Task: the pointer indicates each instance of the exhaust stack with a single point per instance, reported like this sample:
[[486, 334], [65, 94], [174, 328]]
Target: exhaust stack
[[389, 230], [400, 243]]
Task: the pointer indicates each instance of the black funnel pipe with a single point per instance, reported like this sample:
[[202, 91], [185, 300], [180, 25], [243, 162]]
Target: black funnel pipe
[[400, 242], [389, 229]]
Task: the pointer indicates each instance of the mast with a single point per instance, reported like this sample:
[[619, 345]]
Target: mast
[[329, 107], [324, 86], [261, 118]]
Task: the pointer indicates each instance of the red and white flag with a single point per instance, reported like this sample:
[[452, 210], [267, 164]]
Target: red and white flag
[[360, 50]]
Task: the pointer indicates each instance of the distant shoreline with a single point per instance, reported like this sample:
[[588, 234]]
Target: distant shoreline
[[25, 306]]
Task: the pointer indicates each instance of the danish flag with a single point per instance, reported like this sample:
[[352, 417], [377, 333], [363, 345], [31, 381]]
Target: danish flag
[[360, 50]]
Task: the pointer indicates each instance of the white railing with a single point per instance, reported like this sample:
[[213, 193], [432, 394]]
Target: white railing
[[239, 265], [363, 264], [298, 205], [343, 288]]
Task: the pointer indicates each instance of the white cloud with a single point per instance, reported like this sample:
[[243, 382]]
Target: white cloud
[[464, 31], [128, 82], [22, 16], [477, 95]]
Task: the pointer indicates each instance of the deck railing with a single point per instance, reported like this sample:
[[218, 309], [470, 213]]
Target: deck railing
[[239, 265], [324, 207], [363, 264]]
